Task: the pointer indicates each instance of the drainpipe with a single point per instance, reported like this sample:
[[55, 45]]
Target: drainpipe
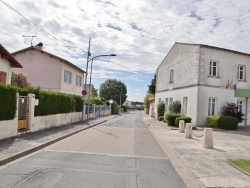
[[246, 111]]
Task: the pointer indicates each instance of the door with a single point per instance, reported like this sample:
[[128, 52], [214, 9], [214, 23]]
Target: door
[[23, 108]]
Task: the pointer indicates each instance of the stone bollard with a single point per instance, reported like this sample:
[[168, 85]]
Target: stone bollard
[[188, 130], [208, 138], [181, 126]]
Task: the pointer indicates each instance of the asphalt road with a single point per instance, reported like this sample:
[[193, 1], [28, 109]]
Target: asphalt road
[[119, 153]]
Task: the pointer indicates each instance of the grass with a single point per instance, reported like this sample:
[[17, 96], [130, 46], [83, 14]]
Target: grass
[[244, 164]]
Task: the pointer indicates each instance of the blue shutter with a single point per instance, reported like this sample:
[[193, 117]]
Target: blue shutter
[[70, 78], [65, 75], [76, 80]]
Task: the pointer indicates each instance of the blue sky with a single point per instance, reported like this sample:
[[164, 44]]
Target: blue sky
[[140, 33]]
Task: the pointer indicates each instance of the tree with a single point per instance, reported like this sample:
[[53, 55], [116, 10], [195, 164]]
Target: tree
[[94, 92], [19, 80], [151, 87], [112, 89], [232, 109]]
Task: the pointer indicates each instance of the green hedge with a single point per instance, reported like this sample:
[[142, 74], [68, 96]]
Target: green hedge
[[185, 118], [161, 118], [114, 108], [213, 121], [53, 102], [7, 102], [170, 118], [228, 123]]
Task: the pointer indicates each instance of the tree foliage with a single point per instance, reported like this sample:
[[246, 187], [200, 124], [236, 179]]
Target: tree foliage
[[96, 101], [19, 80], [113, 89], [151, 87], [148, 95], [94, 92], [232, 109]]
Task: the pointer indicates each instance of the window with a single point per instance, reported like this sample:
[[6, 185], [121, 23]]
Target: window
[[213, 68], [166, 104], [184, 110], [170, 101], [78, 81], [240, 105], [67, 76], [159, 100], [212, 107], [3, 77], [171, 76], [241, 74]]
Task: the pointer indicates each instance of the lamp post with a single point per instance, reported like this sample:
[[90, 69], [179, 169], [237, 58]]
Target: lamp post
[[92, 59], [120, 100]]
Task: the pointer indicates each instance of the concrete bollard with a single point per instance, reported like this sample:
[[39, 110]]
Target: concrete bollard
[[188, 130], [208, 138], [181, 126]]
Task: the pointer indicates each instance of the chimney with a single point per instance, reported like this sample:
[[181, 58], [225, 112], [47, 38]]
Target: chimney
[[39, 46]]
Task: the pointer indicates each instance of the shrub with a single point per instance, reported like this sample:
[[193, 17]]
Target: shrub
[[125, 108], [170, 118], [175, 107], [213, 121], [8, 102], [185, 118], [160, 109], [96, 101], [228, 123], [161, 118], [232, 109], [114, 108]]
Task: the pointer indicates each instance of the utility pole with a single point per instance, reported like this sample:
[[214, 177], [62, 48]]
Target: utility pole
[[120, 100], [86, 77]]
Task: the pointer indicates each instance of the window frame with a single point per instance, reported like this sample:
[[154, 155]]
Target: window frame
[[78, 81], [243, 72], [67, 76], [185, 103], [212, 109], [212, 67], [171, 79]]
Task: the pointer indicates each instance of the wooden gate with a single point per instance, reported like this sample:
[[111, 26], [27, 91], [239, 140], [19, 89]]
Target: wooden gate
[[23, 109]]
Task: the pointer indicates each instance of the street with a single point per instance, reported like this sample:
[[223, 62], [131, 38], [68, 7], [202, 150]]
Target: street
[[119, 153]]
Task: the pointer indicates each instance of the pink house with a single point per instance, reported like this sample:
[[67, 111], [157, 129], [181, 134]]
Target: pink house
[[7, 62], [48, 71]]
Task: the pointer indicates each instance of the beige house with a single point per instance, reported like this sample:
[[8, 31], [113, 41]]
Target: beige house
[[48, 71], [7, 62]]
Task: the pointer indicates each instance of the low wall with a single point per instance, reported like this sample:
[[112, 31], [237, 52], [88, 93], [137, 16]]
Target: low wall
[[8, 128], [45, 122]]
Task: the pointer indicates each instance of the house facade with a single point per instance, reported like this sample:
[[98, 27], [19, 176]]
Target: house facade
[[197, 75], [48, 71], [7, 62]]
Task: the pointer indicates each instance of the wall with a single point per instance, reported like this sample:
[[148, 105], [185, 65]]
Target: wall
[[5, 66], [184, 60], [45, 122], [8, 128], [191, 93]]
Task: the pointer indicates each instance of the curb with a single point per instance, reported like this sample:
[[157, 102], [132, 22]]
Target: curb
[[36, 148]]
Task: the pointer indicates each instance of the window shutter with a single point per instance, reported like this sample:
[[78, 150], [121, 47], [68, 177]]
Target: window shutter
[[77, 80], [65, 76], [70, 78], [80, 81]]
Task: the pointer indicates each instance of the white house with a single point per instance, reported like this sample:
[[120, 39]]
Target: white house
[[48, 71], [128, 104], [7, 61], [197, 75]]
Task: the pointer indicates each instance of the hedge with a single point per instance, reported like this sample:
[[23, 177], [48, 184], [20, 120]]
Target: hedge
[[160, 118], [114, 108], [213, 121], [170, 118], [185, 118], [228, 123], [8, 102]]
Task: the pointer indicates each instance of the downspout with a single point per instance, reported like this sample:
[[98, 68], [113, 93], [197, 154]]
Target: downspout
[[198, 79], [245, 123]]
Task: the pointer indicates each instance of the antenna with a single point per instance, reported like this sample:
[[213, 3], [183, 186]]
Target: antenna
[[32, 36]]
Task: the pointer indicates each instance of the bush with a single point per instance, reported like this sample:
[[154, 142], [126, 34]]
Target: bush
[[125, 108], [170, 118], [96, 101], [232, 109], [8, 102], [213, 121], [114, 108], [228, 123], [160, 109], [161, 118], [175, 107], [185, 118]]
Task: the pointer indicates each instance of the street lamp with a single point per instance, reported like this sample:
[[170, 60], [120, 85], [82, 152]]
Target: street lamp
[[92, 59]]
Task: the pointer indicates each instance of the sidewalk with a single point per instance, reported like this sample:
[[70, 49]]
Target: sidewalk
[[200, 167], [26, 143]]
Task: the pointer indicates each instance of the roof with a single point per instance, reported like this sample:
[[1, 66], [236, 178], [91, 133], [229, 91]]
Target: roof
[[52, 55], [213, 47], [5, 54]]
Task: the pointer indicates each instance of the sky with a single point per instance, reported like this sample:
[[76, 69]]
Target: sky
[[139, 32]]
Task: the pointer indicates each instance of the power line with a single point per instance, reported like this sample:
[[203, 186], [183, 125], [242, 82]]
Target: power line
[[36, 25]]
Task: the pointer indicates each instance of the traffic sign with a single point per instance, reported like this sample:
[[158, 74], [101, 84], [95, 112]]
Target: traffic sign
[[84, 92]]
